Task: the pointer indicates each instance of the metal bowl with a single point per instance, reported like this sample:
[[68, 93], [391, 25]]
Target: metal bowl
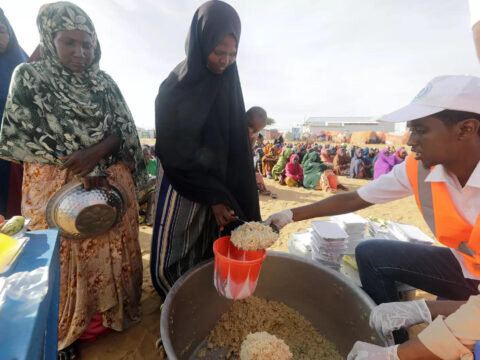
[[81, 213], [335, 305]]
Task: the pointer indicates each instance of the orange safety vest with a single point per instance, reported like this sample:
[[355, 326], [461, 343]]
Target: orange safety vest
[[441, 215]]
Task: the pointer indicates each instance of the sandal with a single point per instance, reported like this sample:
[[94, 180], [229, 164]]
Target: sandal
[[69, 353]]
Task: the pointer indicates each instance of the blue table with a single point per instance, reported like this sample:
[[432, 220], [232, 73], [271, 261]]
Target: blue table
[[30, 332], [476, 352]]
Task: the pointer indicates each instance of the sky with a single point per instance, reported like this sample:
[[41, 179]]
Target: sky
[[296, 58]]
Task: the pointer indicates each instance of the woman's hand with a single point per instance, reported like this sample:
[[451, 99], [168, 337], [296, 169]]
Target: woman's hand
[[91, 182], [81, 162], [223, 214]]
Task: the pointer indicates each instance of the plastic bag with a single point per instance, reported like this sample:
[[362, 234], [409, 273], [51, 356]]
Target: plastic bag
[[28, 287]]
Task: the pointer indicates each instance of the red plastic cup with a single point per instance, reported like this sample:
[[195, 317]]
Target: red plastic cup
[[236, 270]]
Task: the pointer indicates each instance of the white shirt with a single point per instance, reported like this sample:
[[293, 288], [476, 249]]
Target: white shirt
[[395, 185]]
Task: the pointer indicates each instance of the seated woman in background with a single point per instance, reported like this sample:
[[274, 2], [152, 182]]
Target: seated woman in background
[[278, 171], [368, 157], [81, 127], [326, 155], [401, 154], [268, 162], [341, 162], [294, 172], [312, 170], [357, 165], [319, 175], [385, 163], [306, 156]]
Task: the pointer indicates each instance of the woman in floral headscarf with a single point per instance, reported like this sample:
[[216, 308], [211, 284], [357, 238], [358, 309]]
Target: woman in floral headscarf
[[65, 118]]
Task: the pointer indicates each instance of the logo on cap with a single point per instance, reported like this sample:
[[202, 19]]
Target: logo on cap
[[423, 92]]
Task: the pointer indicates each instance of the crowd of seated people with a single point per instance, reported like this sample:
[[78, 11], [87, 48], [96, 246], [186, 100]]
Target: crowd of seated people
[[317, 167]]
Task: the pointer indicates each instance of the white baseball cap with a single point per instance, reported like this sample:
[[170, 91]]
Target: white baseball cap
[[449, 92]]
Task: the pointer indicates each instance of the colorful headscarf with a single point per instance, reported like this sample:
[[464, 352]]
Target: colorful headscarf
[[399, 152], [312, 170], [356, 164], [282, 162], [294, 170], [52, 112], [384, 163]]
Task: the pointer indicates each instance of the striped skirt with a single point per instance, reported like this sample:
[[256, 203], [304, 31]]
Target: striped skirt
[[183, 235]]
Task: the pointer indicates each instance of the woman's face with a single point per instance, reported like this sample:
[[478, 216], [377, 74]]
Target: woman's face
[[223, 55], [4, 37], [75, 49]]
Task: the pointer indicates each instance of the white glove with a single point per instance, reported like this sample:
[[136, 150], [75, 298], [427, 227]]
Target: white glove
[[388, 317], [366, 351], [280, 219]]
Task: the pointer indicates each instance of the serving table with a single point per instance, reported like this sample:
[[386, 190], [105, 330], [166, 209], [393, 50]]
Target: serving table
[[28, 329]]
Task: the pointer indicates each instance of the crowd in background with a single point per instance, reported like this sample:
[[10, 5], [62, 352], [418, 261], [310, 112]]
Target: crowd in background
[[317, 167]]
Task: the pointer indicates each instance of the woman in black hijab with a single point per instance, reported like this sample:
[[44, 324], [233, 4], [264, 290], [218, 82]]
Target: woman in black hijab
[[206, 179]]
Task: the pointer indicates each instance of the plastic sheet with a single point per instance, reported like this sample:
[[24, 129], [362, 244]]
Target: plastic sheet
[[25, 286]]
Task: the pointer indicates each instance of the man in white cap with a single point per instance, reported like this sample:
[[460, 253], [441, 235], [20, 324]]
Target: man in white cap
[[444, 177]]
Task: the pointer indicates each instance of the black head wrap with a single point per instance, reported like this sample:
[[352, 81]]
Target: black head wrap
[[202, 135]]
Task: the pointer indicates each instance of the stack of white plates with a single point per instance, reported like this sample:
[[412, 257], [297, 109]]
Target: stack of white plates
[[355, 226], [328, 243], [410, 233]]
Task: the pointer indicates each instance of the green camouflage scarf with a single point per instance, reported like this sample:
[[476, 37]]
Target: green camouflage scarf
[[51, 111]]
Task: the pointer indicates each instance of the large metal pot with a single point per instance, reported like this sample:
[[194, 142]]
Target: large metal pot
[[337, 307]]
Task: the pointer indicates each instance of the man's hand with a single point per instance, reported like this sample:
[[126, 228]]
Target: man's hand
[[388, 317], [91, 182], [81, 162], [223, 215], [366, 351], [280, 219]]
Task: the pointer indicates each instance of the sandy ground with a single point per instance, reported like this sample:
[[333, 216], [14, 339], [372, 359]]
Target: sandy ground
[[139, 342]]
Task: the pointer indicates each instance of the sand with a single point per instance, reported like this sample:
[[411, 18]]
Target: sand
[[139, 342]]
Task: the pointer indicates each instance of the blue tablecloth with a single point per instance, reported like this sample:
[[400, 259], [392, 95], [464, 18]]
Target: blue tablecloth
[[29, 331]]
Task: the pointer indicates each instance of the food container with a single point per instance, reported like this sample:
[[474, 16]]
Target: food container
[[81, 213], [336, 307], [236, 270]]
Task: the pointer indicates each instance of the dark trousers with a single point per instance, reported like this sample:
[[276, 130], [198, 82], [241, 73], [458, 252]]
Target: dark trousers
[[430, 268]]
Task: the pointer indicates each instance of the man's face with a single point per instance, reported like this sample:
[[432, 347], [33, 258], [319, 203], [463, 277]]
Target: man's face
[[431, 140], [4, 37]]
